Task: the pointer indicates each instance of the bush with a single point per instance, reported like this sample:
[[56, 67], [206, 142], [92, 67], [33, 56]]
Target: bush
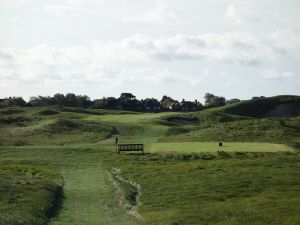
[[224, 154], [295, 145], [17, 119], [241, 154], [20, 143], [48, 112], [208, 156], [10, 111], [13, 101]]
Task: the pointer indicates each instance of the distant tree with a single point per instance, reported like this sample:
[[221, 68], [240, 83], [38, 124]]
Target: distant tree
[[176, 106], [168, 103], [71, 100], [231, 101], [98, 104], [198, 104], [255, 97], [208, 98], [127, 96], [13, 101], [106, 103], [189, 106], [128, 101], [83, 101], [41, 101], [184, 105], [150, 105], [213, 101], [59, 99]]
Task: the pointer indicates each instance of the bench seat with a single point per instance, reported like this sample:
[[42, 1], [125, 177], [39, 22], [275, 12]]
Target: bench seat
[[130, 147]]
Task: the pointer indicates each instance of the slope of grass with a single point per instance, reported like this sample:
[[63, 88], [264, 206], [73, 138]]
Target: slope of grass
[[258, 107], [257, 189], [130, 118], [88, 193], [93, 111], [265, 130], [216, 125], [215, 188], [29, 194], [43, 127]]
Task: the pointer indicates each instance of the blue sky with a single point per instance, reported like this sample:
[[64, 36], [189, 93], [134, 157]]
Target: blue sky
[[182, 48]]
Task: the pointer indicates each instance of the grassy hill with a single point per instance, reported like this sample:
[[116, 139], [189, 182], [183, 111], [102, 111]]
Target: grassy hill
[[245, 121], [184, 177], [29, 194], [278, 106]]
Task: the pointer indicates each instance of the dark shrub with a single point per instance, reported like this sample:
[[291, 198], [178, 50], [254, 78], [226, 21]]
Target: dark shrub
[[48, 112], [224, 154], [208, 156]]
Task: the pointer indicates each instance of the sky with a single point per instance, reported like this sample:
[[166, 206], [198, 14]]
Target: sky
[[179, 48]]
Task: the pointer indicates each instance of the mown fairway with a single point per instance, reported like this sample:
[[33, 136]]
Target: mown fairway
[[131, 118], [190, 147], [182, 179]]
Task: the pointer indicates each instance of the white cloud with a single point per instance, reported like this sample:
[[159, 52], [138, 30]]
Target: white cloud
[[286, 38], [100, 63], [5, 55], [132, 59], [236, 47], [162, 15], [233, 13], [275, 75], [239, 14], [58, 10]]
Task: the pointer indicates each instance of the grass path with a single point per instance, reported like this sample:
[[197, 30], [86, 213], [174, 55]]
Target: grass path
[[89, 198]]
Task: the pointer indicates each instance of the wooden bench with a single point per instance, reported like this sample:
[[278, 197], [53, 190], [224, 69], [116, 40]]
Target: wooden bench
[[130, 147]]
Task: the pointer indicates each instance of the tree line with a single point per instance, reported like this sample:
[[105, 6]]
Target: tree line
[[126, 101]]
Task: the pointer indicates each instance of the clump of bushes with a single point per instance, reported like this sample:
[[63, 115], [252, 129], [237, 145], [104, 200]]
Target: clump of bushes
[[10, 111], [224, 154], [48, 112], [295, 145], [20, 143], [241, 154], [208, 156], [15, 119]]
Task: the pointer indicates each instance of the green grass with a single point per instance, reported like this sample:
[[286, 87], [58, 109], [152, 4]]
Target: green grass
[[184, 177], [131, 118], [33, 127], [29, 194], [215, 126], [248, 189], [189, 147], [88, 193], [257, 107]]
